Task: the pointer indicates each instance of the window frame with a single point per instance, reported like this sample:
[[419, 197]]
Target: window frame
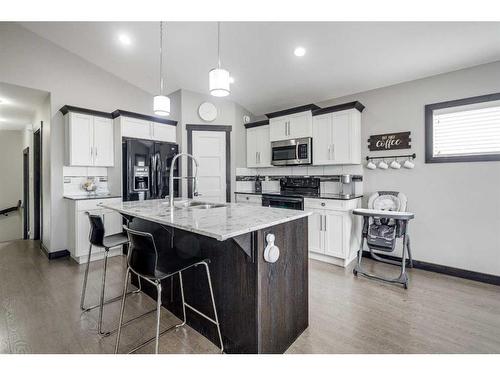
[[429, 130]]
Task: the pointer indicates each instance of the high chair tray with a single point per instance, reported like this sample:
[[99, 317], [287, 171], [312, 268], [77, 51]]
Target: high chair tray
[[397, 215]]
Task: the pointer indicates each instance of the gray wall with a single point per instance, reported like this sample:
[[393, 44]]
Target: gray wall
[[11, 187], [457, 205], [31, 61]]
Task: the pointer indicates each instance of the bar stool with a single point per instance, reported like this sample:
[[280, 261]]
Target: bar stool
[[146, 262], [97, 238]]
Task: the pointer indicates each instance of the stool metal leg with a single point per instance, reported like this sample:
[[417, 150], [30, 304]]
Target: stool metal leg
[[158, 315], [122, 309], [213, 305], [84, 288], [410, 264], [183, 302], [103, 286]]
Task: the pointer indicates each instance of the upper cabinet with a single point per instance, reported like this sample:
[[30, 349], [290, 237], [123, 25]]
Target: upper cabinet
[[337, 137], [258, 147], [144, 129], [296, 125], [89, 140]]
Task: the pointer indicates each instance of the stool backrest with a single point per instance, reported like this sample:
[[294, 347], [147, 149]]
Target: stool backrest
[[96, 235], [142, 254]]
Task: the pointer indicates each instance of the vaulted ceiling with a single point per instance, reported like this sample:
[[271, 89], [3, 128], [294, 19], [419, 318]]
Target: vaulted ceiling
[[342, 57]]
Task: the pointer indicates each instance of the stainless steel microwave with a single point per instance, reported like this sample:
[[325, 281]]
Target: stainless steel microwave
[[292, 152]]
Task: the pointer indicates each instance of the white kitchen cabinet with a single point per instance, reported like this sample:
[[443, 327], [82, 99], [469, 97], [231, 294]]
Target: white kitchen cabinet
[[253, 199], [143, 129], [89, 140], [297, 125], [337, 138], [333, 230], [258, 147], [79, 227]]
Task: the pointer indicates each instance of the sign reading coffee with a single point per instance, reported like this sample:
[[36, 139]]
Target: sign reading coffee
[[391, 141]]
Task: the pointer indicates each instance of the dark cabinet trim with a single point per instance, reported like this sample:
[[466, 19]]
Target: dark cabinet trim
[[68, 108], [256, 124], [121, 112], [285, 112], [340, 107]]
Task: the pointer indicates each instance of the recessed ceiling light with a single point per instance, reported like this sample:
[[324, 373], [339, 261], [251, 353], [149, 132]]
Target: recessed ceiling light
[[124, 39], [231, 80], [299, 51]]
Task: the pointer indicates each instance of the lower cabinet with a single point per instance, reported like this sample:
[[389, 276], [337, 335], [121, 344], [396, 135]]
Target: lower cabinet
[[334, 233], [254, 199], [80, 227]]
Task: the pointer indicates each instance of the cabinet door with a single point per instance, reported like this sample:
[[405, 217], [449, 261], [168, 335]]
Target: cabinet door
[[81, 139], [164, 132], [334, 234], [278, 130], [252, 151], [300, 125], [263, 146], [341, 136], [136, 128], [322, 139], [315, 232], [103, 142]]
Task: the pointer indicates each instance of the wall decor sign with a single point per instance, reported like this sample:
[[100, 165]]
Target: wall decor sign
[[390, 141]]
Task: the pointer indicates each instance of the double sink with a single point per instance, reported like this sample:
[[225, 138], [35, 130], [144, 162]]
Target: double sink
[[196, 205]]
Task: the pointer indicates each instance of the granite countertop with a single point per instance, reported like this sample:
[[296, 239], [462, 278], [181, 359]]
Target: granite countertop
[[78, 197], [320, 196], [220, 223]]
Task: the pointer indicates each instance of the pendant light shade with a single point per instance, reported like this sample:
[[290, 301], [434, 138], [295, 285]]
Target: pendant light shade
[[161, 103], [219, 82], [218, 78]]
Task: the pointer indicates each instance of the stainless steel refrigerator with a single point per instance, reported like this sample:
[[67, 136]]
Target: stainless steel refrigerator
[[146, 169]]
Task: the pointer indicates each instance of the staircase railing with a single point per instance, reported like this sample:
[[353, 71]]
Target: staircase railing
[[11, 209]]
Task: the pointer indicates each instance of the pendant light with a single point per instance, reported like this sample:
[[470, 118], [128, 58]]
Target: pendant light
[[218, 78], [161, 103]]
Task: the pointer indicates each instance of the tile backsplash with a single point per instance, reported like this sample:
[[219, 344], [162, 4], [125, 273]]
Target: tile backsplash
[[74, 177], [273, 185]]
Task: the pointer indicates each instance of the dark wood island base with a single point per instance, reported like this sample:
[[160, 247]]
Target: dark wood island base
[[262, 307]]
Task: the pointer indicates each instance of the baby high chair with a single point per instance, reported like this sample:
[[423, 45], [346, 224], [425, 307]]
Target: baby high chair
[[384, 221]]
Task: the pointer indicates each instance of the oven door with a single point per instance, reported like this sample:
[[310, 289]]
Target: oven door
[[291, 152], [275, 201]]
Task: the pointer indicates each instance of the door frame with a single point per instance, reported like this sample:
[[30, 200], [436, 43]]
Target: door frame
[[37, 184], [210, 128], [26, 193]]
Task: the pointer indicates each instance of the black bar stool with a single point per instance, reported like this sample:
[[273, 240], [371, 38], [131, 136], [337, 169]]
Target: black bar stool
[[97, 238], [146, 262]]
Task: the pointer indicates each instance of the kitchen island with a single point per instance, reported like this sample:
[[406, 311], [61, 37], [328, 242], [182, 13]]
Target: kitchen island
[[262, 305]]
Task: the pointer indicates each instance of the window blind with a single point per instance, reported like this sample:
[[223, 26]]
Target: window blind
[[467, 130]]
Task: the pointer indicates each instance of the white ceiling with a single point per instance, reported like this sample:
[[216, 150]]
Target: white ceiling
[[342, 57], [18, 106]]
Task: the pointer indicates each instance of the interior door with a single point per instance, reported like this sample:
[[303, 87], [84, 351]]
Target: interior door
[[334, 234], [103, 142], [322, 139], [341, 137], [315, 233], [209, 148], [82, 139]]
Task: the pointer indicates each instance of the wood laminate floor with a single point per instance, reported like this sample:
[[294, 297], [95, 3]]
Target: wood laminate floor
[[39, 311]]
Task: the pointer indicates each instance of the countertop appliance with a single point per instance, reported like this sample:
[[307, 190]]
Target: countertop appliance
[[146, 169], [292, 152], [292, 192]]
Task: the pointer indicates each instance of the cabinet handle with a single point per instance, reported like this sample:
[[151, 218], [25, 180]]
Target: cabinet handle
[[324, 225], [95, 150], [332, 151], [321, 223]]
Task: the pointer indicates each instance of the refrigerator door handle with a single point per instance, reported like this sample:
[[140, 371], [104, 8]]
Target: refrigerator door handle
[[152, 188]]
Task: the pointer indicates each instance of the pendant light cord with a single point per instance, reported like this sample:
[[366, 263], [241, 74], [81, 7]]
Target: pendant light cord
[[218, 45], [161, 57]]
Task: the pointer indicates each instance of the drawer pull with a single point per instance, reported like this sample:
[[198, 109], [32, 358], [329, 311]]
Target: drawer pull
[[323, 204]]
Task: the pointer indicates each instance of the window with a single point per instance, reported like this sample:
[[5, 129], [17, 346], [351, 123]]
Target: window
[[463, 130]]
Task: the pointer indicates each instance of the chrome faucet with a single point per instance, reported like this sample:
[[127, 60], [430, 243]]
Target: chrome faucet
[[172, 178]]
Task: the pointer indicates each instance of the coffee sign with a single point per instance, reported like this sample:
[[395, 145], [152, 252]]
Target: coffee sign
[[391, 141]]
